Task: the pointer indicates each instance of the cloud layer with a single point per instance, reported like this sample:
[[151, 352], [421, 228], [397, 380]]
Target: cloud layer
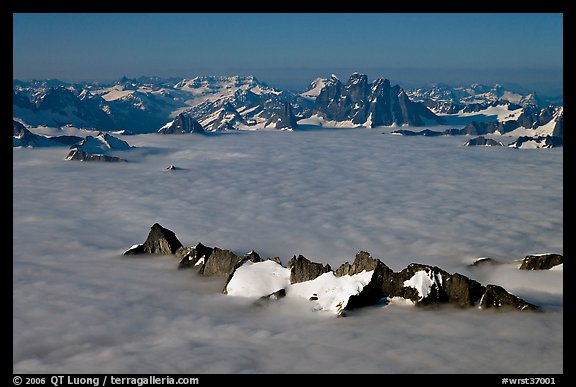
[[81, 307]]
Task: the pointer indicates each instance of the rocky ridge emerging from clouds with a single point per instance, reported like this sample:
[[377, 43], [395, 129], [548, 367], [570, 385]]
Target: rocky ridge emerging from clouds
[[365, 281]]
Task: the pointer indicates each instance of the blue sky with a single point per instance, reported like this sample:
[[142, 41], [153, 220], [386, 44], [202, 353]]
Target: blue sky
[[289, 50]]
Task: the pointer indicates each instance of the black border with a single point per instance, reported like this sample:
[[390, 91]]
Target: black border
[[383, 6]]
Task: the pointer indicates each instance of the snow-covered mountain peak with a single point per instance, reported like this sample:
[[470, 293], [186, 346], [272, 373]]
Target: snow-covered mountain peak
[[101, 144], [314, 88]]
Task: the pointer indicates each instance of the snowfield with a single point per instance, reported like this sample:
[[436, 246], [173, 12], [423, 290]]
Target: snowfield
[[82, 307]]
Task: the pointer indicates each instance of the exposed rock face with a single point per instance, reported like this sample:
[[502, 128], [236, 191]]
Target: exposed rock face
[[220, 262], [80, 155], [384, 107], [461, 290], [533, 117], [184, 254], [231, 103], [21, 101], [558, 130], [279, 115], [364, 282], [302, 269], [224, 262], [20, 130], [507, 126], [67, 107], [454, 132], [471, 98], [379, 285], [193, 256], [25, 138], [528, 142], [217, 116], [482, 141], [328, 101], [103, 142], [422, 284], [425, 132], [57, 105], [429, 285], [160, 241], [270, 297], [183, 123], [485, 261], [479, 128], [541, 262], [97, 148], [277, 295], [373, 105], [497, 297]]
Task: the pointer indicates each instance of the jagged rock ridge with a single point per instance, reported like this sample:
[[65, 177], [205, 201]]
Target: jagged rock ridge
[[373, 281], [160, 240], [372, 105], [98, 148], [22, 137], [183, 123]]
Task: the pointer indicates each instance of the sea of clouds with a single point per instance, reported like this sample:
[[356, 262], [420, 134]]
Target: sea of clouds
[[80, 306]]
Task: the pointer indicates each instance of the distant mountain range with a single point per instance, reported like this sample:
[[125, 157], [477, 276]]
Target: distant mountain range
[[206, 104]]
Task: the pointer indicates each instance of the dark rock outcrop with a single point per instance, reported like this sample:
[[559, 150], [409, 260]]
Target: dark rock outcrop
[[425, 132], [68, 107], [479, 128], [437, 285], [537, 142], [279, 115], [533, 117], [220, 262], [424, 285], [101, 143], [461, 290], [183, 123], [376, 104], [507, 126], [265, 300], [25, 138], [302, 269], [541, 262], [193, 256], [485, 261], [482, 141], [278, 294], [379, 285], [184, 254], [98, 148], [80, 155], [454, 132], [21, 101], [431, 276], [225, 262], [497, 297], [160, 240], [558, 130]]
